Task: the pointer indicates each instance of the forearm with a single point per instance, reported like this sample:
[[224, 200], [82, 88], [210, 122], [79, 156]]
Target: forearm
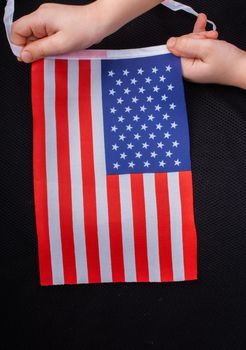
[[241, 71], [117, 13]]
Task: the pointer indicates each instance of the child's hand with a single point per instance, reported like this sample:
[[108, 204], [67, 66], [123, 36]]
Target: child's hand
[[54, 29], [205, 60]]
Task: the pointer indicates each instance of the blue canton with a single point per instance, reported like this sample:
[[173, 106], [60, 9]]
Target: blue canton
[[144, 112]]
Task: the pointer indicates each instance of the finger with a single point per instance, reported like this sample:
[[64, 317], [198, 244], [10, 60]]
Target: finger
[[189, 47], [212, 34], [48, 46], [200, 25], [22, 29]]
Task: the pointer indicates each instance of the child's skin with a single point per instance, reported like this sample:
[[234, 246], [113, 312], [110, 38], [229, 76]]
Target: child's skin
[[55, 29], [205, 60]]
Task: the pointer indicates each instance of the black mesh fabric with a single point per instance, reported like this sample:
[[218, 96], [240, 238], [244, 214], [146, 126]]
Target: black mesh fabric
[[206, 314]]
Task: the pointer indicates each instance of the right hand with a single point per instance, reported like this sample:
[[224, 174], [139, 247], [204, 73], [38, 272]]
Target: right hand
[[55, 29]]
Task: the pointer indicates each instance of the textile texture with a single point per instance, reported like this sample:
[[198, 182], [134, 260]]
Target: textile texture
[[208, 313]]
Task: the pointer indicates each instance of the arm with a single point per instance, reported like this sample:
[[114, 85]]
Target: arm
[[55, 29]]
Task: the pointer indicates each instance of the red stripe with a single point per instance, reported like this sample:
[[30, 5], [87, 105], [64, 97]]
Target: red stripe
[[139, 224], [39, 173], [188, 225], [164, 230], [89, 192], [64, 178], [115, 229]]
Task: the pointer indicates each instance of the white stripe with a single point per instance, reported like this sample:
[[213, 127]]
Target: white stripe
[[151, 227], [100, 172], [76, 173], [140, 52], [114, 54], [176, 226], [8, 21], [127, 228], [52, 173]]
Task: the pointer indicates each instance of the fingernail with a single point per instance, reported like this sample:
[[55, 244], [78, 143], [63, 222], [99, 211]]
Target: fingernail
[[26, 56], [171, 42]]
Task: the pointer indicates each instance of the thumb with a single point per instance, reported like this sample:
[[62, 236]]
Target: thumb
[[47, 46], [189, 48]]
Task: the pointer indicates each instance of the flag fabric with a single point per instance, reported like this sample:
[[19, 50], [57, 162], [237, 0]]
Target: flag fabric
[[112, 172]]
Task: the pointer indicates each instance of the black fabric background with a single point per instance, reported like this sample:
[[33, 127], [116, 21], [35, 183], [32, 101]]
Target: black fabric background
[[206, 314]]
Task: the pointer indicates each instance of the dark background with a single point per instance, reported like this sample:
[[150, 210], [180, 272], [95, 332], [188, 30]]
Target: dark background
[[206, 314]]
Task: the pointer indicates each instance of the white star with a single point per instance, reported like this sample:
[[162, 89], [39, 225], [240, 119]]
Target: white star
[[114, 128], [142, 108], [152, 136], [170, 87], [138, 155], [172, 106], [121, 119], [127, 91], [158, 108], [144, 127], [148, 80], [131, 165], [129, 127], [164, 98], [162, 164], [151, 117], [166, 135], [137, 136], [134, 99], [168, 154], [168, 68], [128, 109], [123, 155], [146, 164], [156, 88], [116, 165], [113, 110], [159, 126], [160, 145], [177, 162], [166, 116], [149, 99], [134, 81], [125, 72], [153, 154], [122, 137], [136, 118], [112, 92], [111, 73], [162, 79], [130, 146], [115, 147], [175, 143], [154, 70], [140, 71], [120, 100], [145, 145], [141, 90], [174, 125], [119, 82]]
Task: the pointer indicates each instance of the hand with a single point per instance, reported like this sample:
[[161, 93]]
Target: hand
[[54, 29], [206, 60]]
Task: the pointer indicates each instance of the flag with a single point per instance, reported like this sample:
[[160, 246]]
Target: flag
[[112, 172]]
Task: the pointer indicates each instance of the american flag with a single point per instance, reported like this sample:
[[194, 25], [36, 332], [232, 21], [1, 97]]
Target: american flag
[[112, 173]]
